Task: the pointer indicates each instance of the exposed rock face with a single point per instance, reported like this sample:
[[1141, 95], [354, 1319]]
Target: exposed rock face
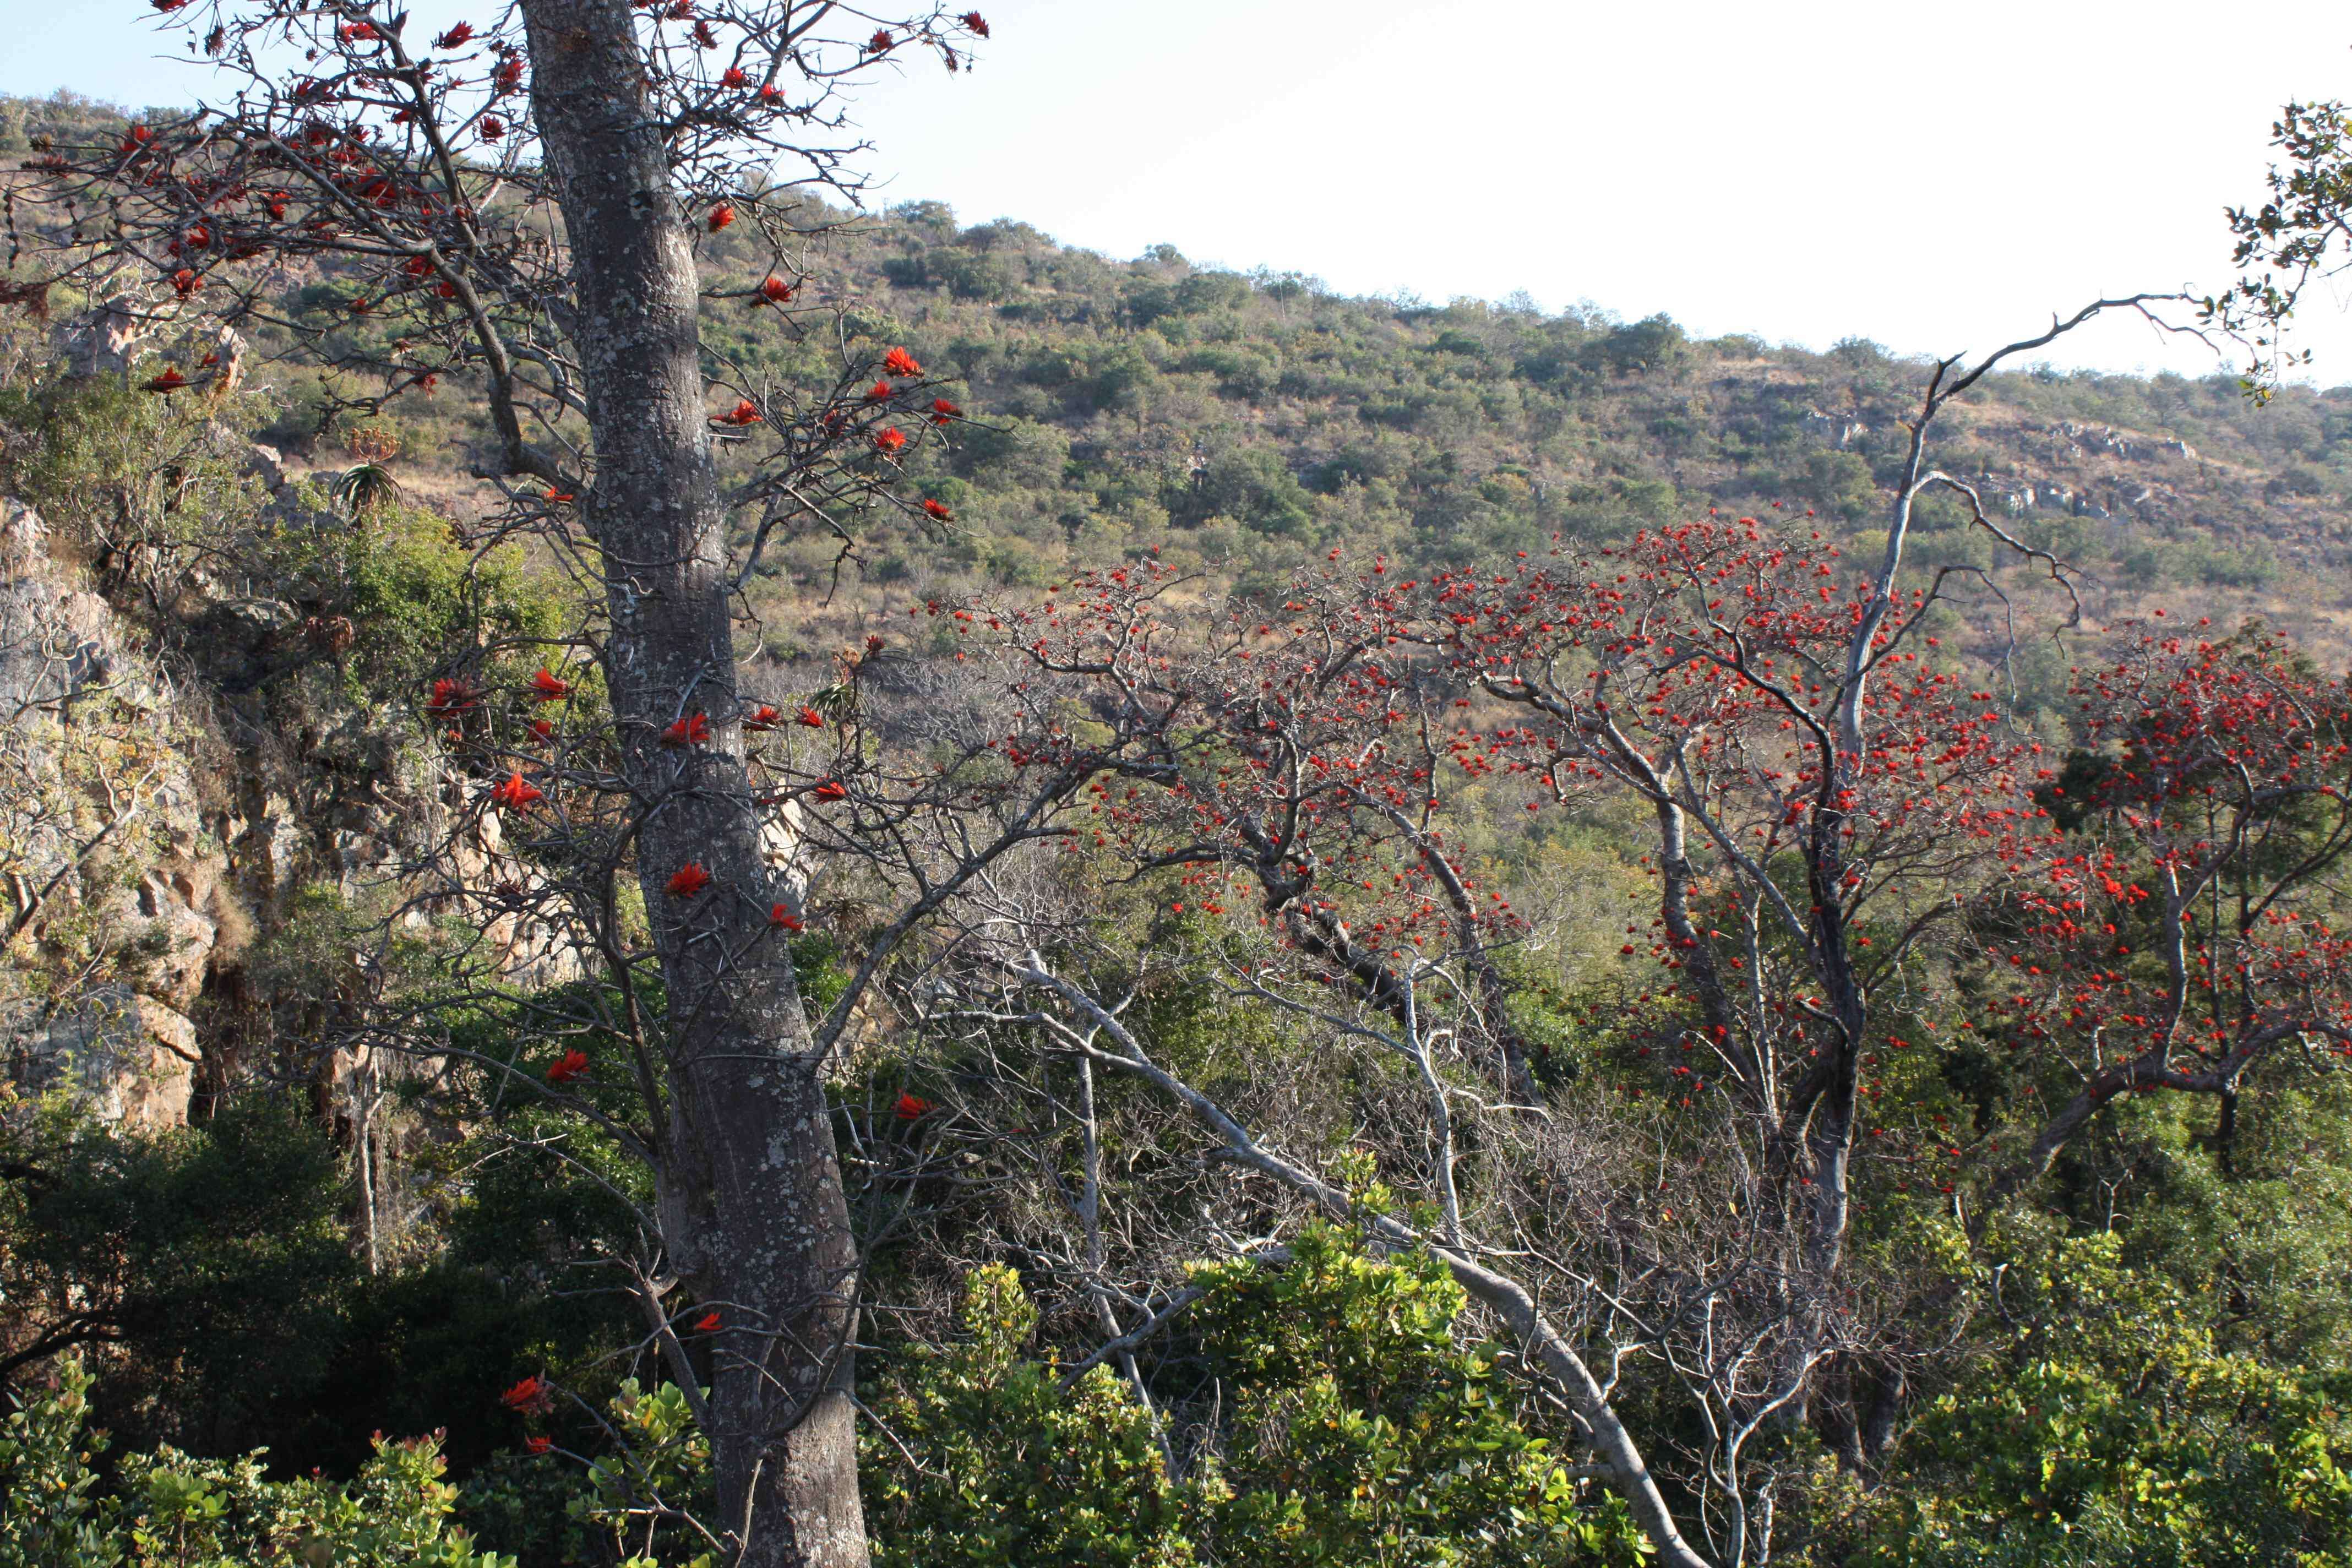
[[151, 826], [113, 888], [106, 339]]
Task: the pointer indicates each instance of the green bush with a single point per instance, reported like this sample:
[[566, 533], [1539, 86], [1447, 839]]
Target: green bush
[[165, 1509], [2112, 1429], [1357, 1432]]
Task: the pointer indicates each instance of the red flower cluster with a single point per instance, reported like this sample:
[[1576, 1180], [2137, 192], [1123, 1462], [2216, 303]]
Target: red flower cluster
[[691, 879], [775, 290], [912, 1108], [694, 730], [831, 790], [573, 1063], [938, 510], [899, 362], [515, 791], [743, 413], [549, 686], [721, 217], [450, 697], [810, 719], [976, 24], [889, 442], [533, 1396], [765, 717], [783, 919], [171, 381], [456, 37]]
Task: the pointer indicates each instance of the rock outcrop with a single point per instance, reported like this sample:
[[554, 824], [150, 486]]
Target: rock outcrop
[[114, 889]]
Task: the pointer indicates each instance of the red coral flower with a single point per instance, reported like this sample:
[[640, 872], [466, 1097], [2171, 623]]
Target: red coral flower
[[539, 1445], [810, 719], [743, 413], [765, 717], [706, 1324], [976, 24], [691, 730], [185, 282], [881, 41], [571, 1064], [549, 686], [734, 77], [775, 290], [889, 442], [939, 510], [533, 1396], [516, 792], [899, 362], [831, 790], [912, 1108], [721, 217], [449, 696], [783, 919], [171, 381], [877, 393], [691, 879], [456, 37]]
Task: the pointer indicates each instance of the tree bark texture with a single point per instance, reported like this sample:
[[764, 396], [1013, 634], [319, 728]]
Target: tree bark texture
[[752, 1207]]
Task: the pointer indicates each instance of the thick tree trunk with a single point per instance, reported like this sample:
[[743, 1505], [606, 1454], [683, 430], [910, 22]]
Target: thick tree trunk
[[753, 1205]]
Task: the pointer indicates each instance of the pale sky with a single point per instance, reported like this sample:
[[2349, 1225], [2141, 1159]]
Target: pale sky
[[1936, 178]]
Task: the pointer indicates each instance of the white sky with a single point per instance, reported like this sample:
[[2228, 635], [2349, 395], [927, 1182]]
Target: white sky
[[1938, 178]]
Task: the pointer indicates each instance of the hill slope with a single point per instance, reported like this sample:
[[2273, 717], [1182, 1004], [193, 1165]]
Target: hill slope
[[1243, 420]]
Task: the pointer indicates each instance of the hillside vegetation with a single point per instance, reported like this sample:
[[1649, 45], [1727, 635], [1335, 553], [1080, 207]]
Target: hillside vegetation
[[1245, 419], [1347, 991]]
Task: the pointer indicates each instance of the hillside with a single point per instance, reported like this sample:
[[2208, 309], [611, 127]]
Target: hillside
[[1370, 982], [1247, 420], [1243, 420]]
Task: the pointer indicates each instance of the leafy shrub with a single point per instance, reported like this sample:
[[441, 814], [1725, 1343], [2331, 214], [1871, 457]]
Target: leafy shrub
[[2112, 1429], [1357, 1432], [165, 1508]]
